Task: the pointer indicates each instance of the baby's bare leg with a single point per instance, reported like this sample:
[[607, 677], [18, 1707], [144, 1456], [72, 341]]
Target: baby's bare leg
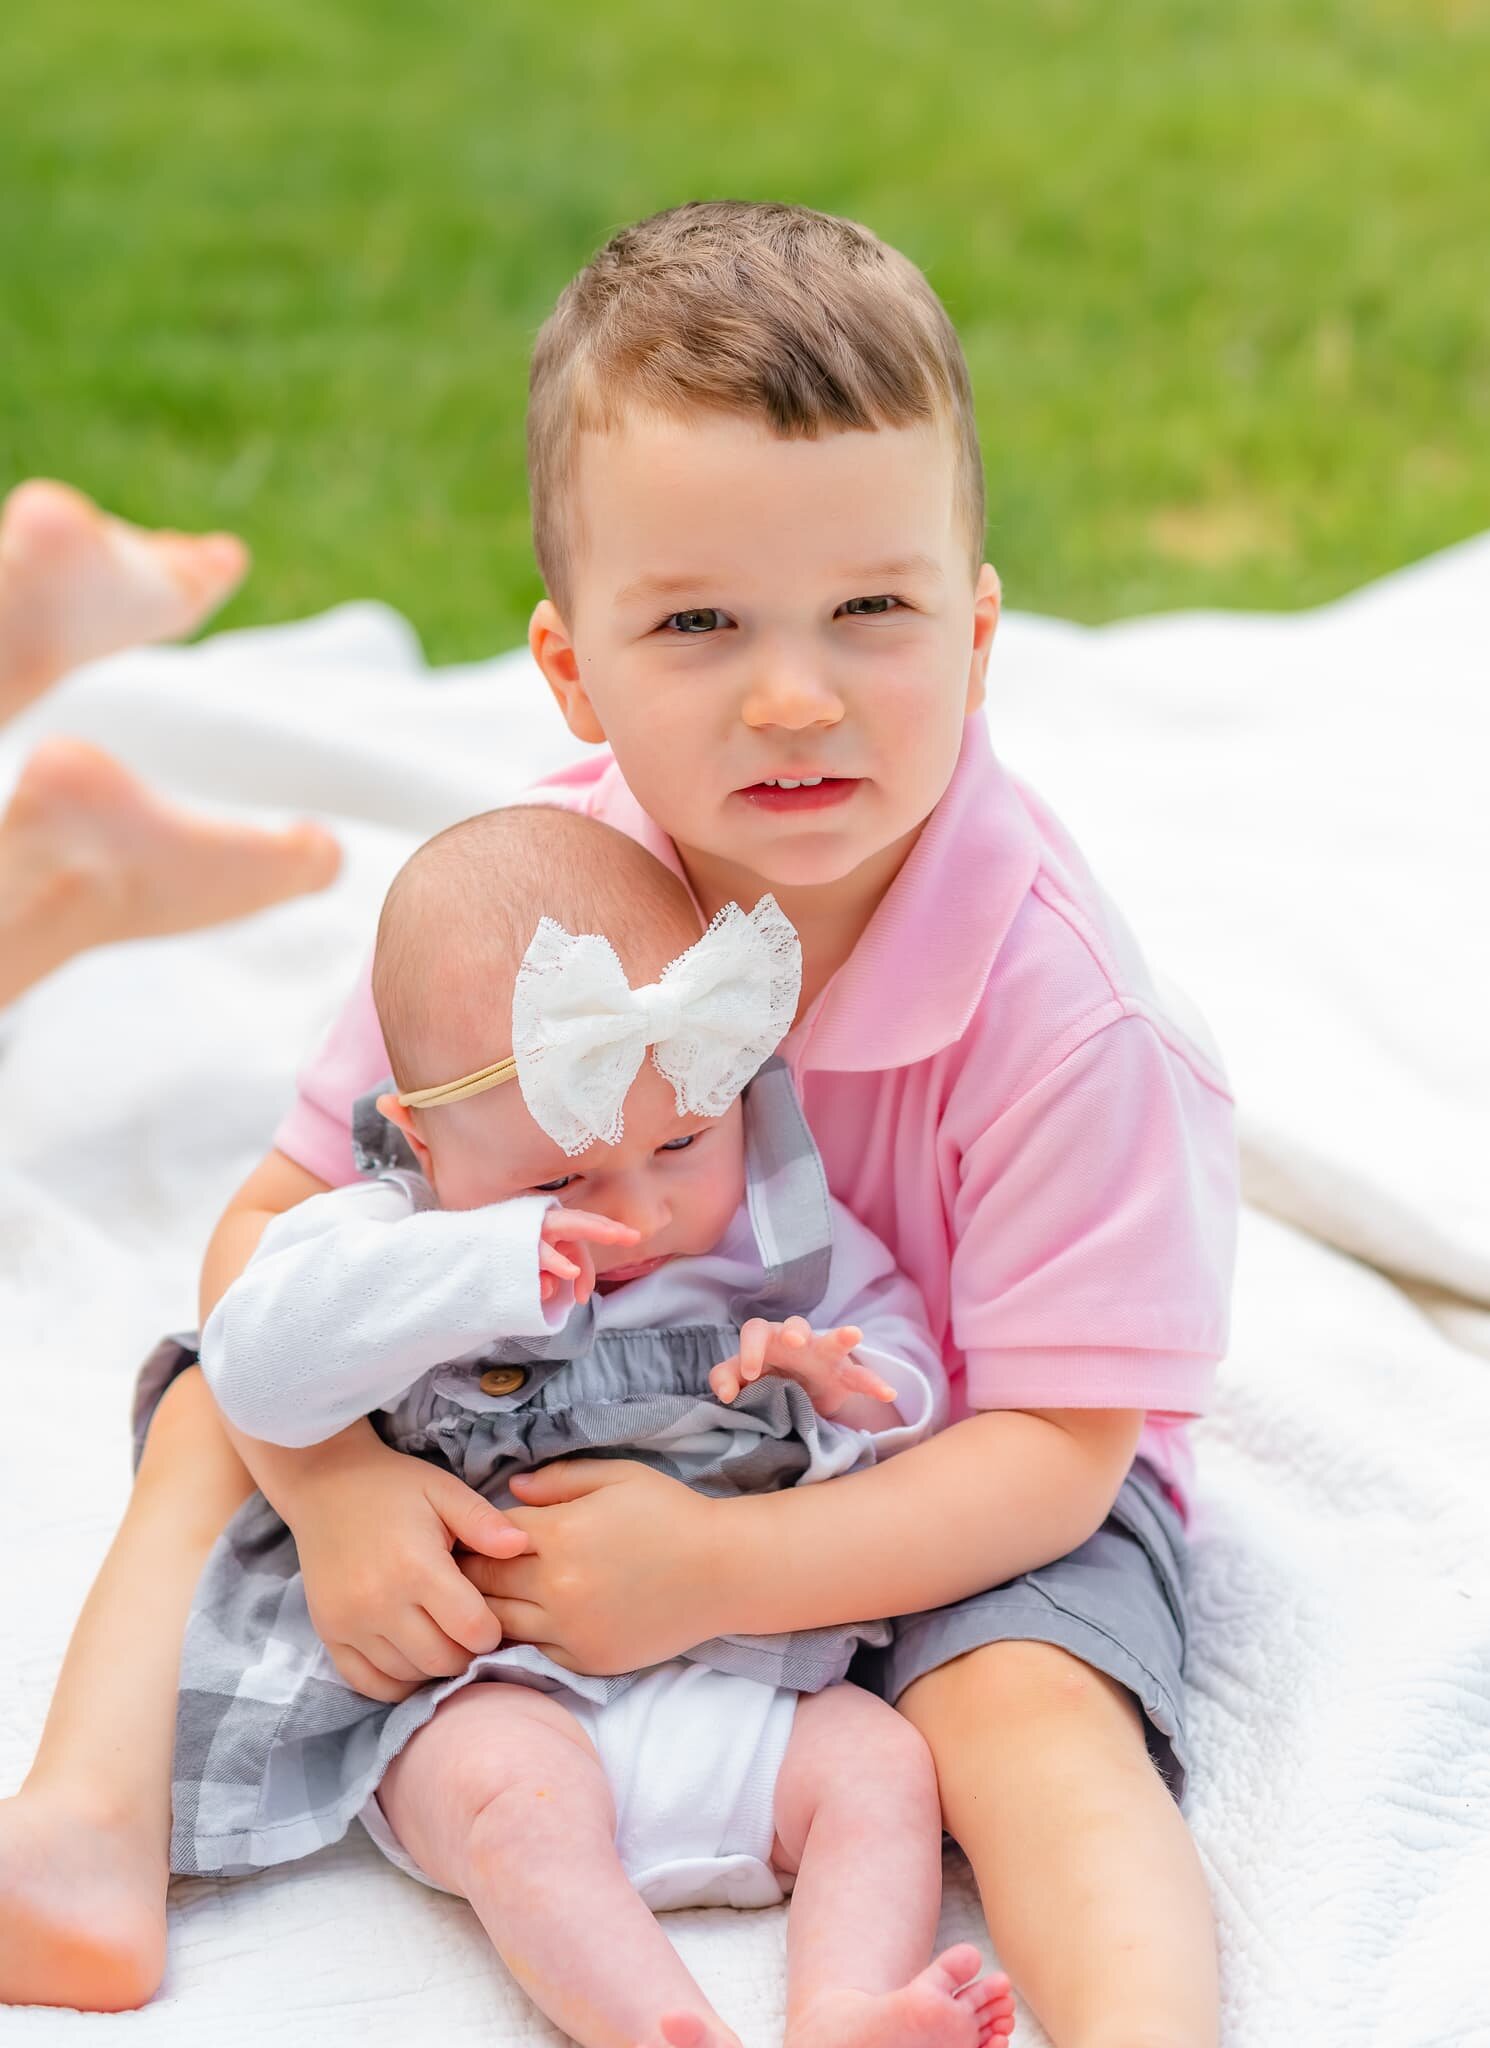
[[1091, 1882], [502, 1799], [84, 1844], [858, 1822]]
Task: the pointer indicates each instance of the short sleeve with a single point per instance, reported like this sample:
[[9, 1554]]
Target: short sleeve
[[1095, 1233], [316, 1130]]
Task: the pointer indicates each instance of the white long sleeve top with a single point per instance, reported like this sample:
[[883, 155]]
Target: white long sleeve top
[[356, 1294]]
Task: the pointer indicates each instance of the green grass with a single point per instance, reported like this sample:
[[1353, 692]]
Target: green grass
[[1221, 269]]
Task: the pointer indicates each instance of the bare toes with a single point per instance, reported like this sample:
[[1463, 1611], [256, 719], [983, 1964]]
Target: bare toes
[[684, 2030], [955, 1967], [205, 567]]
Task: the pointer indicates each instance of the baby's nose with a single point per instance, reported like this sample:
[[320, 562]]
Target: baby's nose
[[644, 1209]]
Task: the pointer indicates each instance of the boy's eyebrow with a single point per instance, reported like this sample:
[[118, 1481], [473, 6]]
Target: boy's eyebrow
[[903, 565], [686, 586], [660, 586]]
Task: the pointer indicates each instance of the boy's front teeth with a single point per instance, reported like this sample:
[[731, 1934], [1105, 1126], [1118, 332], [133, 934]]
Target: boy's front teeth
[[807, 782]]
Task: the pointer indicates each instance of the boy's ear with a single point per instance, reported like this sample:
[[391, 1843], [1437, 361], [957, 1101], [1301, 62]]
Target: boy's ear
[[553, 650], [988, 597], [399, 1113]]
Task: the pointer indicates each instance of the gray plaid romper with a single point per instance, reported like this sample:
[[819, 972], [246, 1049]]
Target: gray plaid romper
[[275, 1755]]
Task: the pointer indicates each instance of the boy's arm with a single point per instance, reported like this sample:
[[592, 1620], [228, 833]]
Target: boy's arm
[[354, 1295], [1094, 1231], [630, 1567], [993, 1496]]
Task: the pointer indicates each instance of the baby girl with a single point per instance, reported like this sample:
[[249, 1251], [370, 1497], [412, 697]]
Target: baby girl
[[619, 1255]]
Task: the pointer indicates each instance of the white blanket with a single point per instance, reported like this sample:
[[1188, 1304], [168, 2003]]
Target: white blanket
[[1293, 812]]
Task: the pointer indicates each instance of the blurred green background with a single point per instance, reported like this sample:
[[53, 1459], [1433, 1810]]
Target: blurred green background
[[1220, 269]]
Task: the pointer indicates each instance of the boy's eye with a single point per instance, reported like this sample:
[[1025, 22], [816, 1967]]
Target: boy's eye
[[871, 607], [678, 1144], [556, 1187], [702, 619]]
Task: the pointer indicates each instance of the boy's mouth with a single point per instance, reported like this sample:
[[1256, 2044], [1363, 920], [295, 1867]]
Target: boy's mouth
[[811, 794]]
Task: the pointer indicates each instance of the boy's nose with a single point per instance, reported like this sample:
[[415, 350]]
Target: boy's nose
[[791, 695]]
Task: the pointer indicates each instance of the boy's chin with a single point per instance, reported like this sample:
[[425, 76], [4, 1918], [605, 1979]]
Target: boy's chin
[[805, 867]]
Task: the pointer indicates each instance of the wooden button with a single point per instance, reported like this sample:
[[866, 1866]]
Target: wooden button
[[504, 1379]]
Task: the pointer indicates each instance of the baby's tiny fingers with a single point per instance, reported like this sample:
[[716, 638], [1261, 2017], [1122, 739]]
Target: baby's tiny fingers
[[796, 1331], [753, 1340], [847, 1336], [584, 1223], [725, 1379], [863, 1381], [584, 1285]]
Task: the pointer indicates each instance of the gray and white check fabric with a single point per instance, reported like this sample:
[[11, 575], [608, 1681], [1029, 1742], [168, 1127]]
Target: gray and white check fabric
[[275, 1755]]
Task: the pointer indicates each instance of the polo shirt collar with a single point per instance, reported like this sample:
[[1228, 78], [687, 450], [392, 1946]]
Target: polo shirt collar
[[911, 986]]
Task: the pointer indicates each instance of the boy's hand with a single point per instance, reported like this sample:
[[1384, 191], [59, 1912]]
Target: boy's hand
[[564, 1251], [624, 1567], [821, 1362], [375, 1530]]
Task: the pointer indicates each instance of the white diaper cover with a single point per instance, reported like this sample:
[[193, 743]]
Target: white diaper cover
[[692, 1756]]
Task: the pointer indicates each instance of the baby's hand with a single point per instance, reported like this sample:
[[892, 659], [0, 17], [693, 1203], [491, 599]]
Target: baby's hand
[[577, 1229], [821, 1362]]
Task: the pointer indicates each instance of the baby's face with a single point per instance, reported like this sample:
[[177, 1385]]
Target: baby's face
[[748, 610], [676, 1180]]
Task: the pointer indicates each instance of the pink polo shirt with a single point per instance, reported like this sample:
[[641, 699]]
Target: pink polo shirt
[[1001, 1093]]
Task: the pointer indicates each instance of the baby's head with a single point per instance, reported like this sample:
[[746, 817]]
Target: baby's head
[[758, 509], [455, 926]]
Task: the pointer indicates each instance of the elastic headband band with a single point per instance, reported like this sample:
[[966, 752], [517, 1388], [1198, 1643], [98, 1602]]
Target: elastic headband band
[[456, 1091]]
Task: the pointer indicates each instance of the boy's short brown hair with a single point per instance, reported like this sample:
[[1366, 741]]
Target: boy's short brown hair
[[803, 320]]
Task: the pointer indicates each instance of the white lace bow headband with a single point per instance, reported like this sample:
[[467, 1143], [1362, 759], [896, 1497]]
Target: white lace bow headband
[[580, 1032]]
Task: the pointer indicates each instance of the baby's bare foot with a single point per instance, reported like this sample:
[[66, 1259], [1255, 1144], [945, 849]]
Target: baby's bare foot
[[942, 2008], [89, 856], [686, 2030], [76, 584], [82, 1908]]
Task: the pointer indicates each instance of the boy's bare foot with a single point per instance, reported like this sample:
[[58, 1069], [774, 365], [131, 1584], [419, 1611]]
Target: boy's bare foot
[[82, 1908], [942, 2008], [88, 856], [76, 584]]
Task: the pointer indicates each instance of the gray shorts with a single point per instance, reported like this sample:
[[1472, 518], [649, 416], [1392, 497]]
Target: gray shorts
[[1117, 1603]]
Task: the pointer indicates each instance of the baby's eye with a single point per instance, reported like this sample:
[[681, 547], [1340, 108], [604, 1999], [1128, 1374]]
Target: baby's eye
[[702, 619], [678, 1144], [872, 607], [556, 1187]]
